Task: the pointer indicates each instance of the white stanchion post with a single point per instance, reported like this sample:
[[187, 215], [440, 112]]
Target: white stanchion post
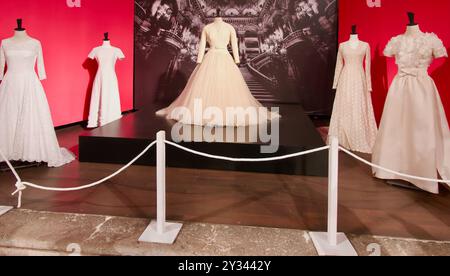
[[160, 231], [333, 175], [6, 209], [332, 243], [160, 182]]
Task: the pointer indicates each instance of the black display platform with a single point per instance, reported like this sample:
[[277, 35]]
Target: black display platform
[[120, 141]]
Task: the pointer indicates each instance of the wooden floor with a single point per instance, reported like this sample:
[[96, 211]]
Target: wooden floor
[[367, 205]]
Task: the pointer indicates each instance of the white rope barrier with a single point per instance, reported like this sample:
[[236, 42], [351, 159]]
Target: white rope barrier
[[161, 231], [391, 171], [21, 186], [232, 159]]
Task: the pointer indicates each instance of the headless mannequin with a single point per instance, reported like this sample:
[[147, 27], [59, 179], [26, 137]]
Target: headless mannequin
[[20, 33], [105, 100], [412, 30], [354, 38]]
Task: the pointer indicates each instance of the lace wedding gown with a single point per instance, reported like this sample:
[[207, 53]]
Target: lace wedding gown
[[105, 100], [414, 136], [353, 119], [26, 129], [217, 84]]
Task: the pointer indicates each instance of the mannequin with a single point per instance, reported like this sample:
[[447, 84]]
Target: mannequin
[[105, 100], [353, 102], [20, 33], [412, 28], [217, 82], [354, 38], [425, 138], [27, 132]]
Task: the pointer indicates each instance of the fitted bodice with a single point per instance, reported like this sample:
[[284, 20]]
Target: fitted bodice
[[354, 57], [415, 52], [218, 35], [21, 57], [353, 63], [106, 57]]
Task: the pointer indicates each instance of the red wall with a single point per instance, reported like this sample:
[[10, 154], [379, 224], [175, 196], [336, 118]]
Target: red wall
[[377, 25], [67, 36]]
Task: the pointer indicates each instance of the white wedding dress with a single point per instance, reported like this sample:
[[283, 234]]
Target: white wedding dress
[[217, 85], [105, 100], [414, 136], [26, 128], [353, 119]]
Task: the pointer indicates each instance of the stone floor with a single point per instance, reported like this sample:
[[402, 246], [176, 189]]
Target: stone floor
[[25, 232]]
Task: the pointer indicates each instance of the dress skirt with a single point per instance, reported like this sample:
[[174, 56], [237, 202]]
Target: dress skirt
[[27, 132], [415, 142], [215, 93]]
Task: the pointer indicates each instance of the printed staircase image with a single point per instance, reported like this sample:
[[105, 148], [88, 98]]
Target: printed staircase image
[[258, 90]]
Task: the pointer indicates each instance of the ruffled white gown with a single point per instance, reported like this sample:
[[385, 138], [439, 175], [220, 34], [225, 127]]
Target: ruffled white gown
[[414, 136], [216, 94], [353, 120], [26, 129]]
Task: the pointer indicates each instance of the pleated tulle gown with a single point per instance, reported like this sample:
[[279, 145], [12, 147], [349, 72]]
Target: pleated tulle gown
[[217, 83]]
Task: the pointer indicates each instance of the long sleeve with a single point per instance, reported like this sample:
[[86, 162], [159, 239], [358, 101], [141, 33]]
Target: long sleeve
[[202, 47], [234, 45], [40, 64], [368, 69], [2, 62], [339, 67]]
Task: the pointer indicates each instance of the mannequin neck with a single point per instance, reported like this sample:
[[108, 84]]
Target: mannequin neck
[[218, 19], [20, 35], [413, 30], [354, 41], [354, 37], [106, 43]]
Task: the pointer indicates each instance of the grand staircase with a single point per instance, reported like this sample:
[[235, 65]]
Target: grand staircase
[[257, 88]]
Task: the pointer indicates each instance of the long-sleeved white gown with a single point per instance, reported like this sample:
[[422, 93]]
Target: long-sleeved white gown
[[353, 120], [217, 85], [26, 127]]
